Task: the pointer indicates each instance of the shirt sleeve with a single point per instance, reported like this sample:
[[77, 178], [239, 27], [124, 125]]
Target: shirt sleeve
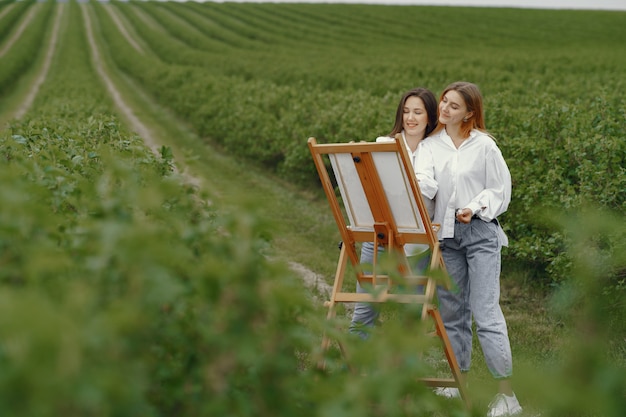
[[425, 171], [496, 196]]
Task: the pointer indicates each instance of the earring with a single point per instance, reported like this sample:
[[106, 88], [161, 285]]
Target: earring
[[465, 120]]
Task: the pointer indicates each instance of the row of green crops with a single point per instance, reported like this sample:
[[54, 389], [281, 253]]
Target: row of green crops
[[11, 13], [22, 55], [121, 292], [259, 79]]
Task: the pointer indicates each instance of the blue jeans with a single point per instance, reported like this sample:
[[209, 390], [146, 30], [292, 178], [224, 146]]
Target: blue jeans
[[365, 314], [472, 259]]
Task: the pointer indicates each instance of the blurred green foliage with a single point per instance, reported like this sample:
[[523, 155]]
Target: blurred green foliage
[[590, 377]]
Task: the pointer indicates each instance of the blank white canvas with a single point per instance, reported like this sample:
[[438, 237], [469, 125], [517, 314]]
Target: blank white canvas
[[396, 185], [398, 190], [357, 208]]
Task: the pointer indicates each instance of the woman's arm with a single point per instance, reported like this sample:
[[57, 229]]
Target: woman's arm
[[425, 171], [495, 198]]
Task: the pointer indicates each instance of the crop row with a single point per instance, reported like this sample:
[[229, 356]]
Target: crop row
[[21, 56], [116, 289]]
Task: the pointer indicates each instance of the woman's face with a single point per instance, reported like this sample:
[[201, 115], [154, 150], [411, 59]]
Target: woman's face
[[415, 117], [452, 109]]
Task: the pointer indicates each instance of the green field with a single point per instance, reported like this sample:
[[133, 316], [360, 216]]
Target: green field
[[158, 199]]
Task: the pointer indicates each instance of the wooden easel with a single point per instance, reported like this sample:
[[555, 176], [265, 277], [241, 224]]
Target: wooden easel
[[383, 204]]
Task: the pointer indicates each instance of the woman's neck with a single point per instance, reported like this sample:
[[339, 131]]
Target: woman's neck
[[454, 131], [412, 141]]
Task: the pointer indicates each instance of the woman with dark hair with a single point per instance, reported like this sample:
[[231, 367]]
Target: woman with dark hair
[[424, 107], [462, 168], [416, 118]]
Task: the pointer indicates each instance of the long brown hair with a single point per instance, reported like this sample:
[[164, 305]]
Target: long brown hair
[[473, 101], [430, 103]]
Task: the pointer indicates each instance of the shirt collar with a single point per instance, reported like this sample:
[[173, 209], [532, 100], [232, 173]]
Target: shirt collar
[[472, 135]]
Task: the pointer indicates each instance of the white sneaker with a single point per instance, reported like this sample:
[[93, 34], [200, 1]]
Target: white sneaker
[[503, 405], [448, 392]]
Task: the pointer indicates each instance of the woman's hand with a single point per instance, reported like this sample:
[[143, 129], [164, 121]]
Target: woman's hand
[[464, 215]]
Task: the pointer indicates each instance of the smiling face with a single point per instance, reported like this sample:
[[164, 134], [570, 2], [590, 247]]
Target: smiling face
[[414, 117], [452, 109]]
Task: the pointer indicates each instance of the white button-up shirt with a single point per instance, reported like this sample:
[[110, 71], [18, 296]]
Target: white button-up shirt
[[473, 176]]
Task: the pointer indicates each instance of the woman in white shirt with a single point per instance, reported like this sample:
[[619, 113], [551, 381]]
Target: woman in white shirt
[[416, 118], [462, 168]]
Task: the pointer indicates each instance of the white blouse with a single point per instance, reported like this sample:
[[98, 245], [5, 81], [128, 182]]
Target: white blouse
[[473, 176], [412, 154]]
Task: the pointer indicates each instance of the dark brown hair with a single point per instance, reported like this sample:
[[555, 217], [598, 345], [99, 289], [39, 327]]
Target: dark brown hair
[[430, 103]]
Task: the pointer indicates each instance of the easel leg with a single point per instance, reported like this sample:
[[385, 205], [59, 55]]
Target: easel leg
[[339, 274], [321, 364], [451, 358]]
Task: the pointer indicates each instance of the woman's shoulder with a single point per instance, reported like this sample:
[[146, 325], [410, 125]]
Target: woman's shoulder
[[384, 139], [483, 136], [433, 139], [486, 141], [437, 135]]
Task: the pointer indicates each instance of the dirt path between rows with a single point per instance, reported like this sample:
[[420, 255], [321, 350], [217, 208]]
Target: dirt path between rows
[[6, 10], [141, 129], [312, 280], [32, 93], [20, 29], [122, 29]]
